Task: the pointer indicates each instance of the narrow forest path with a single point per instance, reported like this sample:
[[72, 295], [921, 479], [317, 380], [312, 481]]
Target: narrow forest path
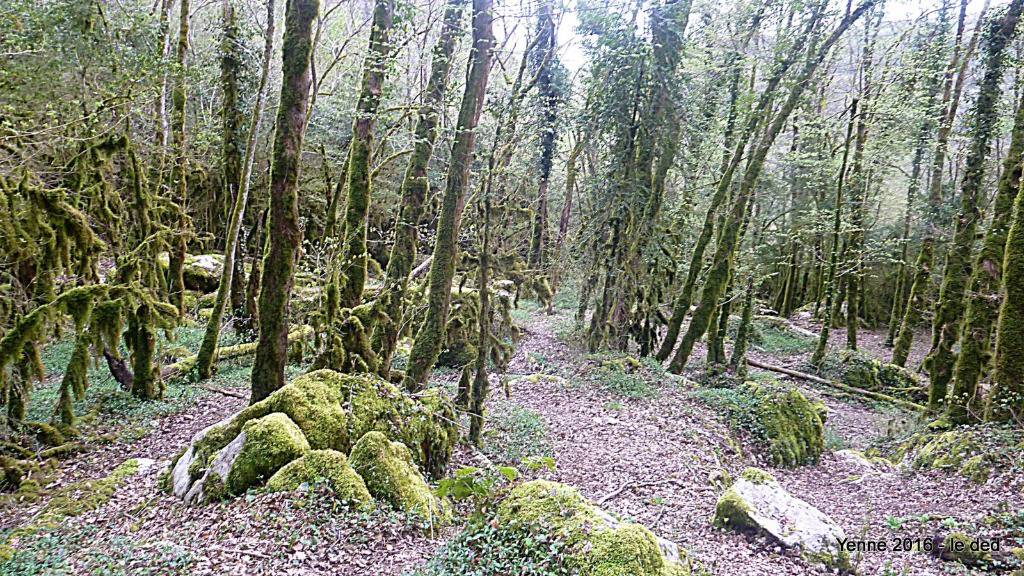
[[651, 459]]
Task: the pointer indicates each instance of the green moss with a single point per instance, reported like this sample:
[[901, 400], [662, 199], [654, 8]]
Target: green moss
[[627, 549], [79, 497], [731, 511], [957, 546], [977, 468], [270, 443], [29, 490], [595, 547], [757, 476], [792, 428], [45, 433], [391, 476], [328, 466]]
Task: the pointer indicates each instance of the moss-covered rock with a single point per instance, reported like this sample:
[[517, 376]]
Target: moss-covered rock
[[268, 444], [391, 476], [201, 272], [331, 410], [327, 466], [757, 503], [959, 547], [860, 371], [597, 544], [790, 425]]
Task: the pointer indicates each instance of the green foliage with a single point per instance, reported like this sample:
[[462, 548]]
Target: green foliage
[[481, 549], [514, 432]]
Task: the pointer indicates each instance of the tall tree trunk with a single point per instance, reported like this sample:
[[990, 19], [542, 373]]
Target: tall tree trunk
[[481, 384], [176, 257], [229, 272], [353, 252], [415, 186], [547, 90], [949, 309], [1006, 397], [431, 335], [899, 300], [984, 291], [833, 260], [859, 188], [283, 250], [166, 7], [563, 219], [919, 288]]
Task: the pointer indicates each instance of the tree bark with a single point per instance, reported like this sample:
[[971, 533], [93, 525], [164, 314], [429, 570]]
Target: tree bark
[[430, 337], [415, 186], [229, 271], [950, 307], [353, 253], [282, 252]]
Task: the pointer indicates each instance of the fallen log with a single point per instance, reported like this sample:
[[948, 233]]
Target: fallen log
[[228, 352], [838, 385]]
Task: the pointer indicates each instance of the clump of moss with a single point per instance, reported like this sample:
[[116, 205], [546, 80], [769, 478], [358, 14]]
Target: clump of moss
[[270, 443], [860, 371], [596, 545], [327, 466], [792, 428], [391, 476], [731, 511], [957, 547]]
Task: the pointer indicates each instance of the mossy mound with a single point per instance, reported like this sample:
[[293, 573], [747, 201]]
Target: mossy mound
[[391, 476], [328, 466], [860, 371], [268, 444], [786, 425], [329, 411], [201, 272], [596, 544]]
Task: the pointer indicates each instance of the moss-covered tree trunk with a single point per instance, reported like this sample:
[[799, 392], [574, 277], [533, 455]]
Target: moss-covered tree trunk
[[983, 293], [430, 337], [1005, 401], [357, 209], [859, 188], [481, 383], [176, 257], [548, 93], [949, 309], [415, 186], [230, 272], [833, 260], [919, 288], [738, 361], [563, 218], [141, 337], [902, 282], [282, 252]]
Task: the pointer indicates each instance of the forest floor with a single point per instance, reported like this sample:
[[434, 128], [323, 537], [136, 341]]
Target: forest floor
[[642, 443]]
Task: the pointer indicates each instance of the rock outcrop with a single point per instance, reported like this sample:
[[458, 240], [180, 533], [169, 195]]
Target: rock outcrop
[[757, 503]]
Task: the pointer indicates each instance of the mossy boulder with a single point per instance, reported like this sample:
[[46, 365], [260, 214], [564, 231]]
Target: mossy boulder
[[597, 544], [328, 466], [860, 371], [959, 547], [789, 425], [267, 444], [201, 272], [960, 449], [331, 410], [391, 476], [757, 504]]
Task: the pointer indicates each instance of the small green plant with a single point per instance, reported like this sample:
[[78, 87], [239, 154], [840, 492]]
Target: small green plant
[[476, 485], [514, 432], [612, 405], [895, 523]]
